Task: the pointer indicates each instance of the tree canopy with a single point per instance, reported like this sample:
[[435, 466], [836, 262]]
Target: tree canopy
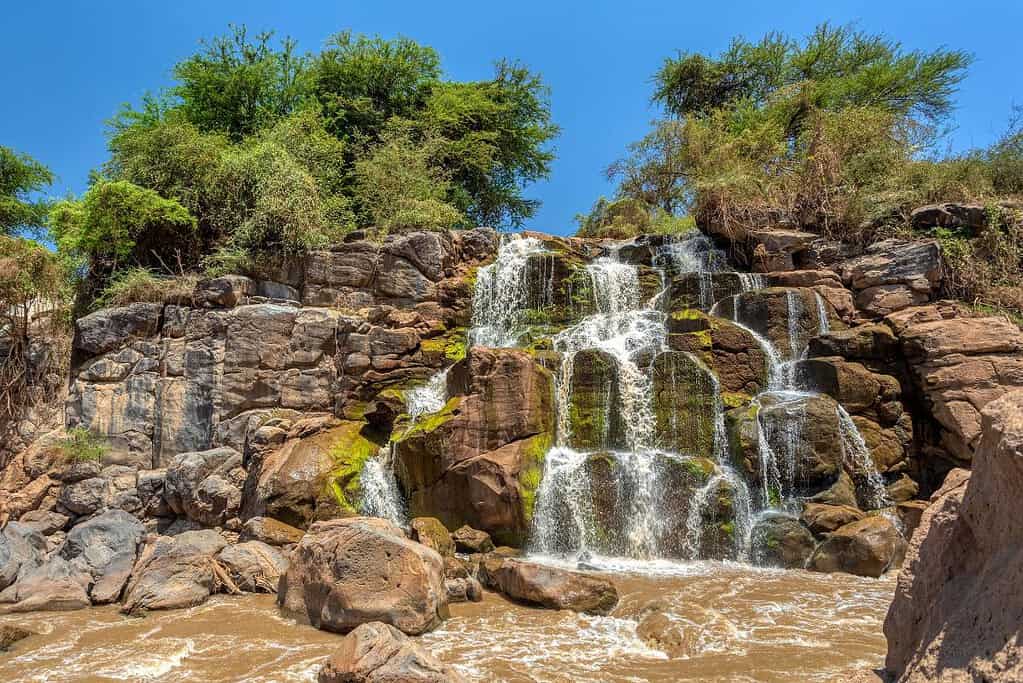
[[20, 177]]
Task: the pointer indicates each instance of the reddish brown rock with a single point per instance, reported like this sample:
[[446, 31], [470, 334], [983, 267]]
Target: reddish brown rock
[[348, 572], [551, 587], [868, 547], [379, 653], [957, 607]]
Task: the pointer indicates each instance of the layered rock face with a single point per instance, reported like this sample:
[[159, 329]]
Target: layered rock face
[[957, 608], [324, 334]]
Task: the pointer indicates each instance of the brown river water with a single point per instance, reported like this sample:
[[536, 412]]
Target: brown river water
[[745, 624]]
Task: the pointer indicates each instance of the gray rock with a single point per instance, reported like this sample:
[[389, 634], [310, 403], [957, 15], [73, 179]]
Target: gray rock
[[112, 328], [226, 291], [174, 572], [255, 567], [105, 547], [21, 549], [44, 521], [54, 585], [203, 486]]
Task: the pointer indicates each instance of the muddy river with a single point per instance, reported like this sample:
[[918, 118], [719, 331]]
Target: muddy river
[[739, 623]]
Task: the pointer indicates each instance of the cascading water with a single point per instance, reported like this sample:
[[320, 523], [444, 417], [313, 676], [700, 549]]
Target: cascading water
[[381, 496], [502, 293]]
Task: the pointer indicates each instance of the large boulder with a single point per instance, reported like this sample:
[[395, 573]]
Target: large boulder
[[105, 547], [56, 584], [174, 572], [22, 548], [781, 541], [253, 566], [788, 317], [348, 572], [112, 328], [684, 403], [379, 653], [868, 547], [551, 587], [594, 404], [431, 533], [478, 460], [730, 351], [271, 531], [957, 606], [205, 486]]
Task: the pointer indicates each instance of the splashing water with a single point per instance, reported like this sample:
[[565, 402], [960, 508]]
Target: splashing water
[[502, 293], [428, 398], [381, 496]]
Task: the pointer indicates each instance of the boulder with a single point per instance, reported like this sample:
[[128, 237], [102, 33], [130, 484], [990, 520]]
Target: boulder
[[45, 522], [684, 396], [469, 540], [21, 549], [253, 566], [730, 351], [781, 541], [375, 652], [174, 572], [11, 634], [893, 275], [659, 631], [868, 547], [271, 531], [786, 316], [226, 291], [105, 547], [957, 606], [821, 518], [949, 215], [205, 486], [431, 533], [479, 459], [595, 419], [550, 587], [54, 585], [464, 589], [348, 572]]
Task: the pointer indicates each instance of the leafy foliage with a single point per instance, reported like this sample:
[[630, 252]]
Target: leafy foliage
[[82, 445], [20, 176]]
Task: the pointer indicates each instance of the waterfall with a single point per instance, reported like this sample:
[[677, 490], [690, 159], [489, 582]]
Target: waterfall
[[428, 398], [380, 494], [502, 293], [855, 452]]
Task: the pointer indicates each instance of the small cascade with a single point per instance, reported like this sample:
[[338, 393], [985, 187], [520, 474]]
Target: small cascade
[[502, 293], [428, 398], [381, 496], [871, 489]]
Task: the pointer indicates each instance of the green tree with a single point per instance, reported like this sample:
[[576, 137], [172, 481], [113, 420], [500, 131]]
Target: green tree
[[361, 82], [497, 135], [237, 86], [118, 224], [20, 177], [832, 68], [401, 188]]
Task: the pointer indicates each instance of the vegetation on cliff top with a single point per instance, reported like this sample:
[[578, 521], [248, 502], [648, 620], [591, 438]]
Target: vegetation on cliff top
[[836, 133]]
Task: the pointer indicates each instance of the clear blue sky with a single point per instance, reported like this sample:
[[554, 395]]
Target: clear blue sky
[[69, 65]]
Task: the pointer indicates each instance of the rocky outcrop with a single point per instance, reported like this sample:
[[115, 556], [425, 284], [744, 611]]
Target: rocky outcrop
[[478, 460], [205, 486], [379, 653], [957, 607], [253, 566], [105, 547], [348, 572], [867, 547], [551, 587], [893, 275]]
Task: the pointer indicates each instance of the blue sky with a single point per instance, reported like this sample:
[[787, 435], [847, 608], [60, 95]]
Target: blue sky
[[69, 65]]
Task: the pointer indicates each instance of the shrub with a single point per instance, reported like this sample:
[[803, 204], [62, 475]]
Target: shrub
[[82, 445], [140, 284]]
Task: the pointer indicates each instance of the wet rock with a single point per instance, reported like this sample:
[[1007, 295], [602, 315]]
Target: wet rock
[[957, 603], [478, 460], [550, 587], [173, 572], [787, 316], [684, 404], [781, 541], [910, 514], [21, 549], [112, 328], [379, 653], [868, 547], [842, 492], [271, 531], [701, 291], [657, 630], [105, 547], [469, 540], [822, 519], [11, 634], [55, 585], [465, 589], [431, 533], [730, 351], [205, 486], [903, 489], [595, 401], [348, 572], [311, 477], [253, 566]]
